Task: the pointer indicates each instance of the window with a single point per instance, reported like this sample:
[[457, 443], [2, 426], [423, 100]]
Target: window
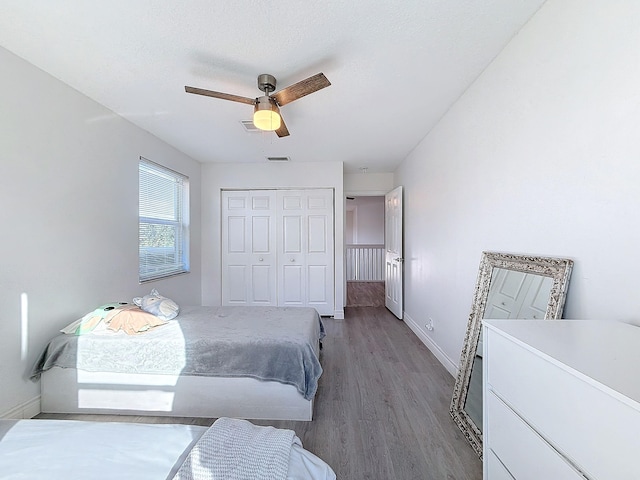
[[164, 226]]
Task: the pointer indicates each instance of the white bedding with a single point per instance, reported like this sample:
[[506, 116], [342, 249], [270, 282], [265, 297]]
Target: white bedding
[[66, 449]]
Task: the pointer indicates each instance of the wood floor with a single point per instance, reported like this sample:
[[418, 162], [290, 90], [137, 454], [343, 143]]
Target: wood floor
[[382, 408], [365, 294]]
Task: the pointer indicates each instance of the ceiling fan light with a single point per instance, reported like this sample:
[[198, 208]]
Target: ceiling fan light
[[266, 115], [266, 120]]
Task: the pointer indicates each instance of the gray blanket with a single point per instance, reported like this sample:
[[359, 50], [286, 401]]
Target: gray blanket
[[266, 343]]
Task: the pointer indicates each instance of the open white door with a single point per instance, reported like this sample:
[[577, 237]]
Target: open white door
[[393, 251]]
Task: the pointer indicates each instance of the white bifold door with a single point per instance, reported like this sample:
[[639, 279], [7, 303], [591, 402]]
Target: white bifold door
[[277, 248], [248, 248]]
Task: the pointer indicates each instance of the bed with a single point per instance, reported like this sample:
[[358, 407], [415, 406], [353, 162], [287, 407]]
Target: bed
[[64, 449], [243, 362]]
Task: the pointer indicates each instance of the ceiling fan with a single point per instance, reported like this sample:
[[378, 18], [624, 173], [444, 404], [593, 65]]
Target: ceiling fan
[[266, 110]]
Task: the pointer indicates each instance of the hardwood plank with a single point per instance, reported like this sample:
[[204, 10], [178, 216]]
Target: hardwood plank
[[382, 408], [365, 294]]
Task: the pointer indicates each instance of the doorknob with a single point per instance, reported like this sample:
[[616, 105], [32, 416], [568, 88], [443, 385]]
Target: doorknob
[[292, 260], [398, 259], [261, 259]]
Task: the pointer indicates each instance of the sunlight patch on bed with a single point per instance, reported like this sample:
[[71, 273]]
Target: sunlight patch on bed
[[125, 386], [147, 399]]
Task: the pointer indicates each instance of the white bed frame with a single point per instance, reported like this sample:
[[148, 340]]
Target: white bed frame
[[69, 390]]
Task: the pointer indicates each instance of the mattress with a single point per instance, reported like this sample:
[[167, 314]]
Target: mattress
[[265, 343], [64, 449]]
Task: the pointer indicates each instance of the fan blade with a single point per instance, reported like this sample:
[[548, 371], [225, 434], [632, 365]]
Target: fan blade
[[283, 131], [223, 96], [301, 89]]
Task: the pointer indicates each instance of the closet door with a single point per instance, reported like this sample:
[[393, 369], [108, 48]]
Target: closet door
[[305, 249], [248, 248]]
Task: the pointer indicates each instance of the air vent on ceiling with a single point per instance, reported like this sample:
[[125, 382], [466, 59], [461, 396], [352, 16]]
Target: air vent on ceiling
[[249, 126], [278, 159]]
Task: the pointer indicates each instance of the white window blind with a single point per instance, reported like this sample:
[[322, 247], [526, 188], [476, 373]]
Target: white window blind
[[163, 210]]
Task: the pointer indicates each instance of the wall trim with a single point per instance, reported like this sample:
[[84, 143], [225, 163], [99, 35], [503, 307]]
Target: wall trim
[[28, 409], [338, 314], [367, 193], [442, 357]]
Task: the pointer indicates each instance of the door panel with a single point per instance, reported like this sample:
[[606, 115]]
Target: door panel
[[537, 298], [292, 286], [318, 202], [317, 234], [235, 234], [506, 297], [236, 203], [248, 246], [518, 295], [305, 231], [292, 234], [291, 200], [393, 252], [260, 276], [261, 201], [236, 281], [317, 284], [260, 235]]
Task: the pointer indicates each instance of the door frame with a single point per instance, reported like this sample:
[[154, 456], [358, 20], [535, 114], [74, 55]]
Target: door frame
[[360, 193]]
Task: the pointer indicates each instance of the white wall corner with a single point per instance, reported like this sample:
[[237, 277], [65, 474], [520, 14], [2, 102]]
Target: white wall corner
[[442, 357], [28, 409]]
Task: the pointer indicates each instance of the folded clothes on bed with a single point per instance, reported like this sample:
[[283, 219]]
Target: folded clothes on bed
[[115, 317], [131, 320]]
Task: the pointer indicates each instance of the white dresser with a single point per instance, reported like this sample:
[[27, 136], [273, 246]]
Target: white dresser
[[561, 400]]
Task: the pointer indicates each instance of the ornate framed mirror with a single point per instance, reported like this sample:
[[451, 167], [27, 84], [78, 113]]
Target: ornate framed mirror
[[508, 286]]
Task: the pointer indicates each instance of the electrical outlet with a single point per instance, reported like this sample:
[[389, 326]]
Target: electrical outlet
[[429, 324]]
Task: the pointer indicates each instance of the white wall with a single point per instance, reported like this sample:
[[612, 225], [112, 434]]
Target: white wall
[[368, 220], [69, 216], [541, 156], [216, 177], [368, 183]]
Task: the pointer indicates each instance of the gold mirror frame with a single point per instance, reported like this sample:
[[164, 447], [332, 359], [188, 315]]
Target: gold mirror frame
[[558, 269]]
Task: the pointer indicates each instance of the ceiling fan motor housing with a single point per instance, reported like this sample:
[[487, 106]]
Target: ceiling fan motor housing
[[266, 83], [266, 109]]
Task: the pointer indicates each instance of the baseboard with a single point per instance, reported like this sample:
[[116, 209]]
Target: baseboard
[[28, 409], [339, 314], [442, 357]]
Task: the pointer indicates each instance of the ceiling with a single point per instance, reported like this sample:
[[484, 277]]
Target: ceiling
[[395, 67]]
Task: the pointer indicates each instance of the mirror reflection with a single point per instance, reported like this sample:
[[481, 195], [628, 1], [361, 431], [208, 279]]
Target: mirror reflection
[[508, 287], [512, 294]]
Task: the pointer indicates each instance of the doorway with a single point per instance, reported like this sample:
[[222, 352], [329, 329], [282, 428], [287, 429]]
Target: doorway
[[364, 240]]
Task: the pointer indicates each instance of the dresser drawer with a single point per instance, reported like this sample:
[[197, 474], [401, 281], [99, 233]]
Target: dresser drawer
[[594, 429], [522, 451]]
